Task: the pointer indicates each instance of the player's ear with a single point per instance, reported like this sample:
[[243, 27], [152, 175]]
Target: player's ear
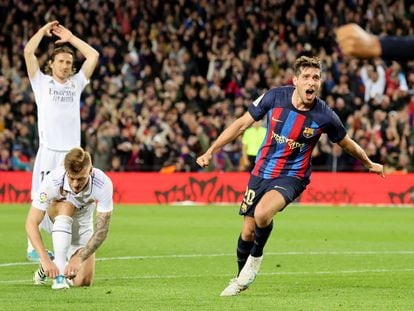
[[295, 80]]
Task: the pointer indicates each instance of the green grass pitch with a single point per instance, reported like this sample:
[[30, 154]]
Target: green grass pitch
[[182, 257]]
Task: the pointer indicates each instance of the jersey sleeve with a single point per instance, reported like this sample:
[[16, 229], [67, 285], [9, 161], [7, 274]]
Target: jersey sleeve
[[260, 106], [35, 80], [81, 79], [335, 129], [47, 192], [36, 83], [397, 48], [105, 197]]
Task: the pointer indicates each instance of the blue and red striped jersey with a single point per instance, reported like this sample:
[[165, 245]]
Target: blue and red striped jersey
[[291, 134]]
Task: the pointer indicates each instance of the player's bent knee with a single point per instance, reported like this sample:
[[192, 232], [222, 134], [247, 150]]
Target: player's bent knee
[[84, 281], [60, 208], [247, 237], [247, 234], [248, 229], [87, 272], [262, 218]]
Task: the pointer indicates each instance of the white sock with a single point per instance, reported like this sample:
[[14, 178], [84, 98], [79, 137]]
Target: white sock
[[61, 238]]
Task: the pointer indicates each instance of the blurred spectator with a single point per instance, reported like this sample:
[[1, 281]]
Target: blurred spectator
[[373, 77], [5, 160], [322, 154], [19, 161], [395, 81], [251, 140]]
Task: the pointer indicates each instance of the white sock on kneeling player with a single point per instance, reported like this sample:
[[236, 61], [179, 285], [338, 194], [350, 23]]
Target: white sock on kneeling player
[[62, 238]]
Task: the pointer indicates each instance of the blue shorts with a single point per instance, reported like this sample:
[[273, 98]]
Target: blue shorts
[[289, 187]]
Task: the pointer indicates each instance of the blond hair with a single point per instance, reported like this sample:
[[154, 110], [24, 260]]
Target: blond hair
[[76, 160]]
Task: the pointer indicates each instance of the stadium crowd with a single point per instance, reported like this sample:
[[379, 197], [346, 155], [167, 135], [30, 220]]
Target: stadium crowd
[[173, 74]]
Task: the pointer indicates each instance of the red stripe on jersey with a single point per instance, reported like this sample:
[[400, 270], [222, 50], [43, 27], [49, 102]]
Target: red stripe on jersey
[[294, 134], [306, 158], [266, 146]]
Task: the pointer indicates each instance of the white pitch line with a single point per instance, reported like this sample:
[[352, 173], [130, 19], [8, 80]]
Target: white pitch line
[[323, 253], [262, 274], [185, 276]]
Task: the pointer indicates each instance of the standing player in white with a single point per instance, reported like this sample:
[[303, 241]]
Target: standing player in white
[[64, 206], [57, 94]]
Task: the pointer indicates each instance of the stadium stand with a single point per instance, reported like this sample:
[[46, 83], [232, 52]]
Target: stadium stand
[[172, 74]]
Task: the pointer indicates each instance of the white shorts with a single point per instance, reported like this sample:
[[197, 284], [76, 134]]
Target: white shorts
[[46, 160], [81, 233]]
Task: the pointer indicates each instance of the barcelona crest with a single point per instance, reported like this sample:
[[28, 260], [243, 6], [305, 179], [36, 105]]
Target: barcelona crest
[[308, 132]]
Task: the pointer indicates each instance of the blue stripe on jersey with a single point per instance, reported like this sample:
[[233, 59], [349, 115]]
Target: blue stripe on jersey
[[97, 182], [296, 166], [268, 132], [286, 129], [301, 156]]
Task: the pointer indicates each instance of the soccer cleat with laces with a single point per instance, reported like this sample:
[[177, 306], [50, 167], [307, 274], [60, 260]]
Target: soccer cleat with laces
[[233, 289], [39, 277], [60, 283], [249, 271]]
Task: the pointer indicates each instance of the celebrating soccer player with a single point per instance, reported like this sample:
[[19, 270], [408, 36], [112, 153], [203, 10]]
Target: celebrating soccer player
[[296, 119]]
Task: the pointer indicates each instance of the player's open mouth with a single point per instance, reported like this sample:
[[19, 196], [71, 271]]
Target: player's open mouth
[[309, 93]]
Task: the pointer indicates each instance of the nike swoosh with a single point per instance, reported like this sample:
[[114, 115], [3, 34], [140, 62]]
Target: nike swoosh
[[276, 120], [278, 187]]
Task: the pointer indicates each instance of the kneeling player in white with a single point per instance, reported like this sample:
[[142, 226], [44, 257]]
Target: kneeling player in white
[[64, 206]]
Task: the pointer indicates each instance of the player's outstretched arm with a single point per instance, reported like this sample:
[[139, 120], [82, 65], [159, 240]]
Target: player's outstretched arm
[[229, 134], [351, 147]]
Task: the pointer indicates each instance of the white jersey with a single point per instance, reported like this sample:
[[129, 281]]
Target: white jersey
[[97, 193], [58, 107]]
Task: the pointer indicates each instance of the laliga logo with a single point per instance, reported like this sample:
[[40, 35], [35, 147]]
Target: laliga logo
[[43, 197]]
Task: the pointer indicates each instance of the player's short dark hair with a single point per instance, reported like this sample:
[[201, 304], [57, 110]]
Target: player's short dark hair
[[76, 160], [306, 61], [60, 49]]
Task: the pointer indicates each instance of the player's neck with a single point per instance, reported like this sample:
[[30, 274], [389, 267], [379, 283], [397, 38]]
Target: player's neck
[[59, 80], [299, 104]]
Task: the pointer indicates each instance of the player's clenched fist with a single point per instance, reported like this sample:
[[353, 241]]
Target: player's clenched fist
[[355, 41], [204, 160]]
